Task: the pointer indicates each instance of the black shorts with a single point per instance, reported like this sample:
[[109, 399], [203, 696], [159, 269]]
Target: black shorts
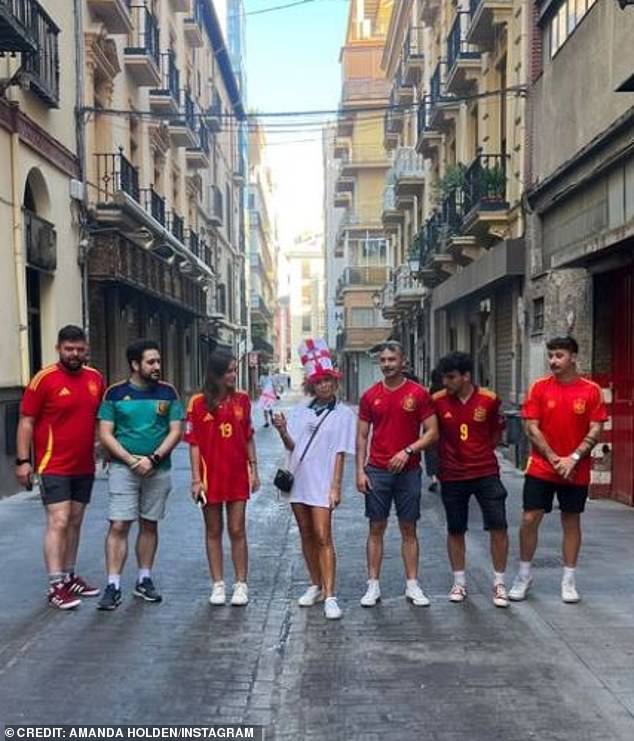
[[491, 496], [404, 488], [539, 494], [55, 489]]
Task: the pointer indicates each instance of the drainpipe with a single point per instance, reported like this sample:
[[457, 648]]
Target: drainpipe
[[20, 264]]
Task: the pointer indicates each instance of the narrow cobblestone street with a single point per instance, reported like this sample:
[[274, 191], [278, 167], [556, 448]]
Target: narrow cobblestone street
[[541, 669]]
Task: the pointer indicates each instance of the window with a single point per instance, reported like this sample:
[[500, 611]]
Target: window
[[563, 23], [307, 323], [373, 252], [363, 317], [538, 315]]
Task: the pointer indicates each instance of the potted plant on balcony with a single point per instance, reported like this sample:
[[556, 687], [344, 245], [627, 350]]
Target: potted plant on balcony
[[493, 186]]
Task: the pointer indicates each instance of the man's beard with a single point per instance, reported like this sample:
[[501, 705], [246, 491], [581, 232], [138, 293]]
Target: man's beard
[[72, 364], [150, 378]]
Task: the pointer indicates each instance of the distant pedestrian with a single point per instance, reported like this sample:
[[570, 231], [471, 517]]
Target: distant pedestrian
[[431, 453], [268, 398], [58, 416], [564, 415], [470, 425], [317, 436], [224, 470], [393, 410], [140, 424]]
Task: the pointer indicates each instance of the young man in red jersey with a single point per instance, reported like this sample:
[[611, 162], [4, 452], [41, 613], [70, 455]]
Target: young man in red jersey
[[564, 415], [58, 416], [470, 426], [394, 409]]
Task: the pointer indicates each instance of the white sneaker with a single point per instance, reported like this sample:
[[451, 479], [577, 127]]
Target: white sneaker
[[569, 593], [332, 611], [218, 595], [458, 593], [416, 596], [520, 588], [240, 595], [372, 595], [500, 596], [311, 596]]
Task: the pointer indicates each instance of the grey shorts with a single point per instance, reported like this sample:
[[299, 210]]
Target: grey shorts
[[132, 496], [403, 488]]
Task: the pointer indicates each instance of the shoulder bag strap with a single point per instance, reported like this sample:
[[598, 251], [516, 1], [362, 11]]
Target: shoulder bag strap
[[312, 437]]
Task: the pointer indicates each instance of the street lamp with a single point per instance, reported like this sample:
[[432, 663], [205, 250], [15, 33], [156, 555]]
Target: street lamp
[[414, 264], [376, 299]]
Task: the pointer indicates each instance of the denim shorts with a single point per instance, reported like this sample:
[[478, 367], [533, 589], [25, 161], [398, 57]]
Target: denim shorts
[[132, 496], [403, 488], [491, 496]]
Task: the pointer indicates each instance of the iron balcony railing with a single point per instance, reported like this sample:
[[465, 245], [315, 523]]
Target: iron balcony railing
[[17, 25], [424, 115], [429, 237], [144, 38], [215, 111], [42, 66], [177, 226], [485, 182], [408, 163], [203, 137], [373, 275], [170, 76], [473, 6], [413, 46], [435, 86], [457, 45], [154, 204], [188, 110], [193, 243], [115, 173]]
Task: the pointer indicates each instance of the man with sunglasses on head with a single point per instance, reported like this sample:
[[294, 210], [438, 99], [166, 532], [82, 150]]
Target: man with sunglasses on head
[[393, 410]]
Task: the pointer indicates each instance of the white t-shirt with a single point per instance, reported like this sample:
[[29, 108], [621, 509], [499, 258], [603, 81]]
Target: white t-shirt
[[336, 434]]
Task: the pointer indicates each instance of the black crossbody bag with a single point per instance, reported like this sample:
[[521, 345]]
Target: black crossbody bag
[[284, 479]]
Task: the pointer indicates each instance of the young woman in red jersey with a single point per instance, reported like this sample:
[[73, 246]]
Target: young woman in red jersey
[[224, 469]]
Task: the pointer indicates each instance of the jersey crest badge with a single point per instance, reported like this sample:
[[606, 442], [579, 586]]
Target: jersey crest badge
[[479, 414], [93, 388], [579, 406], [409, 403], [551, 404], [162, 408]]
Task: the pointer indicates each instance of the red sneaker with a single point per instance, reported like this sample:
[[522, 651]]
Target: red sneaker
[[60, 597], [81, 588]]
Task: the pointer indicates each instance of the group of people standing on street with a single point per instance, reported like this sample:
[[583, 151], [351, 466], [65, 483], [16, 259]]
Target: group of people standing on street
[[458, 426]]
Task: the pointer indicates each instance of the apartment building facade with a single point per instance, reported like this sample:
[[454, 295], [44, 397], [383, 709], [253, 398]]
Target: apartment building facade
[[360, 238], [40, 197], [263, 257], [580, 203]]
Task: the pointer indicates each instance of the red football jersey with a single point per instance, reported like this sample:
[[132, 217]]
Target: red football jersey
[[222, 437], [469, 432], [64, 405], [396, 416], [564, 412]]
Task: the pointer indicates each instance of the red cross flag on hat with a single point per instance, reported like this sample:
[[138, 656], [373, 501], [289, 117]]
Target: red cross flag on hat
[[317, 361]]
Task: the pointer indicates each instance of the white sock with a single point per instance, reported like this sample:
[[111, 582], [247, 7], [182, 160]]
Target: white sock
[[569, 575], [114, 579], [373, 582], [144, 574], [525, 569], [459, 578], [498, 578], [412, 583]]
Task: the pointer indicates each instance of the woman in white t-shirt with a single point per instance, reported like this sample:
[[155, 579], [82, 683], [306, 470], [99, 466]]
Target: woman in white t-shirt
[[316, 490]]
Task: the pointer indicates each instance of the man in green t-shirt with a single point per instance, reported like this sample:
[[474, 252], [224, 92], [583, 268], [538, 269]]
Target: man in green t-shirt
[[140, 423]]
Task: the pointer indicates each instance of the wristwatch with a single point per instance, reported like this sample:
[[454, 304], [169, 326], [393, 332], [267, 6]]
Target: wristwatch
[[22, 461], [409, 451], [575, 457]]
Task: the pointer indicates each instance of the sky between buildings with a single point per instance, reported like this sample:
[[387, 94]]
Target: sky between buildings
[[293, 65]]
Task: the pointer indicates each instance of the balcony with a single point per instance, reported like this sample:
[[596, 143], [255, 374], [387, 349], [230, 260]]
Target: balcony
[[192, 27], [388, 307], [344, 184], [485, 206], [486, 17], [176, 226], [369, 156], [141, 56], [182, 129], [115, 174], [114, 14], [436, 264], [342, 147], [413, 56], [392, 127], [428, 138], [391, 214], [198, 155], [165, 100], [403, 91], [40, 240], [369, 276], [463, 58], [17, 25], [407, 291], [193, 242], [216, 206], [364, 90], [154, 204], [260, 312], [41, 67], [409, 172], [214, 114], [343, 199]]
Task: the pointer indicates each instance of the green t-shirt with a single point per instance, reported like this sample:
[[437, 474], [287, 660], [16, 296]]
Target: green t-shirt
[[141, 416]]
